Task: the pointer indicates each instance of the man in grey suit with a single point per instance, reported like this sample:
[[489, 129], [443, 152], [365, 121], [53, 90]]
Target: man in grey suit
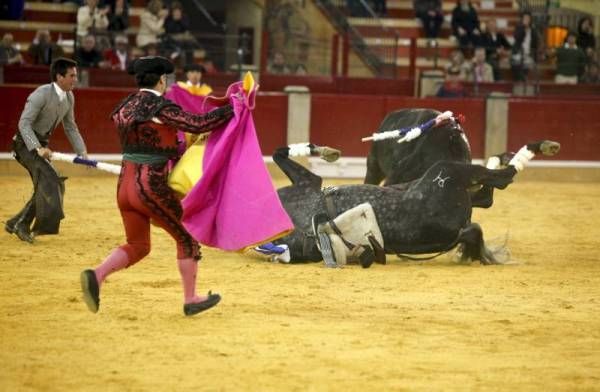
[[45, 108]]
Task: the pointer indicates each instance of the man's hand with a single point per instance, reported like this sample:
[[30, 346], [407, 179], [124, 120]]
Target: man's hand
[[44, 152]]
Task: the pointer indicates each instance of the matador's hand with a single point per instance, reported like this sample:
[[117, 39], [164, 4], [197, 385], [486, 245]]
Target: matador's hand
[[44, 152]]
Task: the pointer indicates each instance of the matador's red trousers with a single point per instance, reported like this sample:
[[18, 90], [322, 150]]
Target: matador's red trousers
[[143, 195]]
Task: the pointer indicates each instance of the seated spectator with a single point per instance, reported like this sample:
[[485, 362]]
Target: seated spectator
[[496, 46], [179, 40], [356, 8], [591, 75], [585, 37], [152, 23], [480, 72], [525, 48], [209, 66], [120, 56], [457, 61], [431, 16], [91, 19], [570, 61], [193, 74], [118, 15], [301, 70], [380, 7], [42, 50], [9, 54], [86, 55], [465, 24], [151, 50], [453, 86], [278, 65]]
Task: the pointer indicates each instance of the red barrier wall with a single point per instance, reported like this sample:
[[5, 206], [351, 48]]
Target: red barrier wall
[[94, 105], [575, 124], [270, 120], [344, 119]]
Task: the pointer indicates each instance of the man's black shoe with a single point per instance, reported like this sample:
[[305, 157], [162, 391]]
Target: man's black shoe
[[20, 231], [9, 227], [192, 309], [91, 291]]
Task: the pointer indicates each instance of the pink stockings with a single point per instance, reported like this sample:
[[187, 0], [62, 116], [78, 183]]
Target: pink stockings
[[188, 268]]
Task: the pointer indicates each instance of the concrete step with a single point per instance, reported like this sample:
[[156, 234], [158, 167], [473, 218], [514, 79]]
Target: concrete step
[[448, 5], [385, 47], [405, 28], [483, 14]]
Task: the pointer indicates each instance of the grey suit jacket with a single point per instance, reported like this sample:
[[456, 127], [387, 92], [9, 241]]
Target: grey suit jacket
[[42, 113]]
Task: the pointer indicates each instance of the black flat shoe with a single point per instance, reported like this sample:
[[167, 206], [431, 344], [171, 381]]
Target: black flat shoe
[[91, 291], [9, 228], [23, 233], [194, 308]]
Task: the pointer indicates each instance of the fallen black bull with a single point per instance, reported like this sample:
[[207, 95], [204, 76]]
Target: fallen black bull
[[427, 213]]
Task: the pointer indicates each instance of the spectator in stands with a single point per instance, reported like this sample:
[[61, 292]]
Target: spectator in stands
[[42, 50], [178, 36], [570, 61], [480, 72], [525, 48], [278, 64], [356, 8], [9, 53], [453, 86], [457, 61], [431, 16], [118, 15], [591, 75], [87, 56], [585, 37], [301, 70], [12, 9], [380, 7], [120, 56], [496, 46], [209, 65], [151, 50], [465, 24], [193, 74], [91, 19], [152, 23]]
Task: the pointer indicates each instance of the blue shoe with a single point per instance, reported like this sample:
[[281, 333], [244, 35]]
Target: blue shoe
[[269, 248]]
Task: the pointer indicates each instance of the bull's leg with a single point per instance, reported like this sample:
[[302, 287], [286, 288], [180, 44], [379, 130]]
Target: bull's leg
[[484, 197], [374, 173], [298, 174]]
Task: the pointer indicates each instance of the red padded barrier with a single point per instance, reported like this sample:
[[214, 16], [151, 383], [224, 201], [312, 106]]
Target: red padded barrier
[[94, 105], [270, 120], [340, 121], [575, 124]]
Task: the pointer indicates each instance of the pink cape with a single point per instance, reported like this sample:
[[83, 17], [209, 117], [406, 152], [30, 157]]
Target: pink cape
[[234, 205]]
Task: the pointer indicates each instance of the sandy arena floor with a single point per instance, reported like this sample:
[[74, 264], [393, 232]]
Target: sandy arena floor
[[435, 325]]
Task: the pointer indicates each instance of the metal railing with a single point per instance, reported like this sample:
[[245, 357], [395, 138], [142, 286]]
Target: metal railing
[[338, 13]]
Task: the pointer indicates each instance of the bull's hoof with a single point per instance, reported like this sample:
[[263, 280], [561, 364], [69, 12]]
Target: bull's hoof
[[544, 147], [327, 153], [549, 148]]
